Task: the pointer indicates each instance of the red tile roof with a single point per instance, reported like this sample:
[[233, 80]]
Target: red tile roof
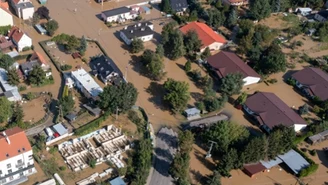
[[227, 62], [16, 34], [315, 79], [252, 169], [18, 143], [39, 57], [205, 33], [272, 111], [4, 5]]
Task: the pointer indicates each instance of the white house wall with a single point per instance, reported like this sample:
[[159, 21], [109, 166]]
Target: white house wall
[[6, 18], [251, 80], [25, 41], [27, 13], [299, 127], [213, 46]]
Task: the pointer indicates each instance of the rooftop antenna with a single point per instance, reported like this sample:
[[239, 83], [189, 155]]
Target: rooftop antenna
[[209, 150]]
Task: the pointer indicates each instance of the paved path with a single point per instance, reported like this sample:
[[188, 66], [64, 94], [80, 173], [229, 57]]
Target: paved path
[[37, 129], [166, 146]]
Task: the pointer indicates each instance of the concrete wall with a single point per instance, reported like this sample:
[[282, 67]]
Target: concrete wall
[[214, 46]]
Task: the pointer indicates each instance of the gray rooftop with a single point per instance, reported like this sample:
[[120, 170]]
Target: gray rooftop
[[271, 163], [40, 28], [28, 66], [138, 30], [60, 129], [116, 11], [319, 136], [7, 87], [208, 121], [294, 161], [192, 111], [178, 5]]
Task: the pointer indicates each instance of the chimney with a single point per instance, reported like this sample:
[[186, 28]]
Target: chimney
[[131, 31], [5, 135], [139, 24], [125, 27]]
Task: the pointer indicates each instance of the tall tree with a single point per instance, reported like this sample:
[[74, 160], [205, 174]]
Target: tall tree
[[245, 43], [280, 140], [137, 45], [192, 42], [43, 12], [156, 68], [18, 116], [255, 150], [122, 96], [72, 43], [273, 60], [6, 61], [167, 30], [260, 9], [177, 94], [160, 50], [166, 6], [232, 17], [174, 48], [12, 77], [83, 45], [67, 104], [36, 76], [51, 26], [229, 161], [232, 84], [214, 179], [6, 109], [215, 18], [206, 53], [35, 18]]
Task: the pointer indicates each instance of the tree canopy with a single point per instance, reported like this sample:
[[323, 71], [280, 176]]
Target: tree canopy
[[51, 26], [37, 76], [260, 9], [192, 42], [67, 104], [43, 12], [6, 61], [177, 94], [6, 109], [232, 84], [166, 6], [137, 45], [273, 60], [154, 65], [214, 179], [83, 45], [12, 76], [122, 96]]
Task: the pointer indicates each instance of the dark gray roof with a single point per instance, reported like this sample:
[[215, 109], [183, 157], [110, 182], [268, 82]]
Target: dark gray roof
[[324, 13], [24, 5], [116, 11], [138, 30], [71, 117], [92, 108], [104, 66], [29, 65], [8, 94], [178, 5]]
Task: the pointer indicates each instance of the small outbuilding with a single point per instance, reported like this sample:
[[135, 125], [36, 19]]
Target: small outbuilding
[[71, 117], [40, 29], [42, 2], [94, 110], [117, 181], [192, 113], [253, 169], [318, 137], [76, 55]]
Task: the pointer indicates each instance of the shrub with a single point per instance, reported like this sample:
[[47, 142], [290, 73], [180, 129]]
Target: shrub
[[65, 67], [62, 168], [272, 81], [316, 109], [53, 150], [301, 138], [30, 96], [26, 48], [21, 88], [93, 125], [309, 170], [187, 66], [312, 152], [291, 81]]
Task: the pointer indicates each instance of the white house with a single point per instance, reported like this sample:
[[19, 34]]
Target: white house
[[303, 11], [235, 2], [143, 31], [23, 8], [321, 16], [19, 38], [224, 63], [6, 17], [16, 157], [209, 38], [84, 82], [119, 14]]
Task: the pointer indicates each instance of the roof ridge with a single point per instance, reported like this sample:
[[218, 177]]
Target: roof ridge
[[265, 93], [320, 75], [237, 64]]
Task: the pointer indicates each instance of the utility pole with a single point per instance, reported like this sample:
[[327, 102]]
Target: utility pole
[[209, 150]]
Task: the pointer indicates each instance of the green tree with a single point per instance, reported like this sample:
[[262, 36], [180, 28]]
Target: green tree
[[67, 104], [187, 66], [160, 50], [242, 98], [167, 31], [177, 94], [192, 42], [200, 105], [83, 45], [206, 53], [92, 163], [166, 6], [215, 18], [255, 150], [18, 116], [186, 140], [260, 9], [226, 134], [214, 179], [36, 76], [174, 48], [228, 162], [5, 61], [280, 140], [4, 29], [232, 84], [273, 60], [303, 109], [245, 43], [35, 19], [323, 32], [51, 26], [13, 78], [232, 17], [137, 45], [6, 109], [72, 43], [214, 103], [122, 96], [156, 68]]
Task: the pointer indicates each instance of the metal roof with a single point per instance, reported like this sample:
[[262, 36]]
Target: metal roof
[[192, 111], [117, 181], [60, 129], [40, 28], [294, 161], [7, 87], [116, 11], [87, 82], [319, 136], [271, 163]]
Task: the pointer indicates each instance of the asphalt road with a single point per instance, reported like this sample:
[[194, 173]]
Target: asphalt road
[[166, 146], [37, 129]]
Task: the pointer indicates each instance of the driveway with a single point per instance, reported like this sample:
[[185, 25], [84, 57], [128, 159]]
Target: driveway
[[39, 128]]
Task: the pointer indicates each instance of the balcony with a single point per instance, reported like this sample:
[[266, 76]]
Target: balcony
[[18, 165]]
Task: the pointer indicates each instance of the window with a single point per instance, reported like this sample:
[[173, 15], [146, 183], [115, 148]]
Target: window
[[0, 172], [19, 161], [21, 174], [11, 178], [30, 157], [30, 171], [9, 165], [3, 181], [10, 171]]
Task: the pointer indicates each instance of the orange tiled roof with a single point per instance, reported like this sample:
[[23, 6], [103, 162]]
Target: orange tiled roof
[[205, 33], [39, 57], [18, 143], [15, 34], [4, 5]]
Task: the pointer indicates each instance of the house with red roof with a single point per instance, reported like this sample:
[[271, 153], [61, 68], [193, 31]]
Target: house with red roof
[[236, 2], [268, 110], [35, 60], [19, 38], [16, 157], [224, 63], [209, 38], [6, 17]]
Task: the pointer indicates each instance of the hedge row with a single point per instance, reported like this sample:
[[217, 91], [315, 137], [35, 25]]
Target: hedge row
[[92, 126], [310, 169], [301, 138]]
